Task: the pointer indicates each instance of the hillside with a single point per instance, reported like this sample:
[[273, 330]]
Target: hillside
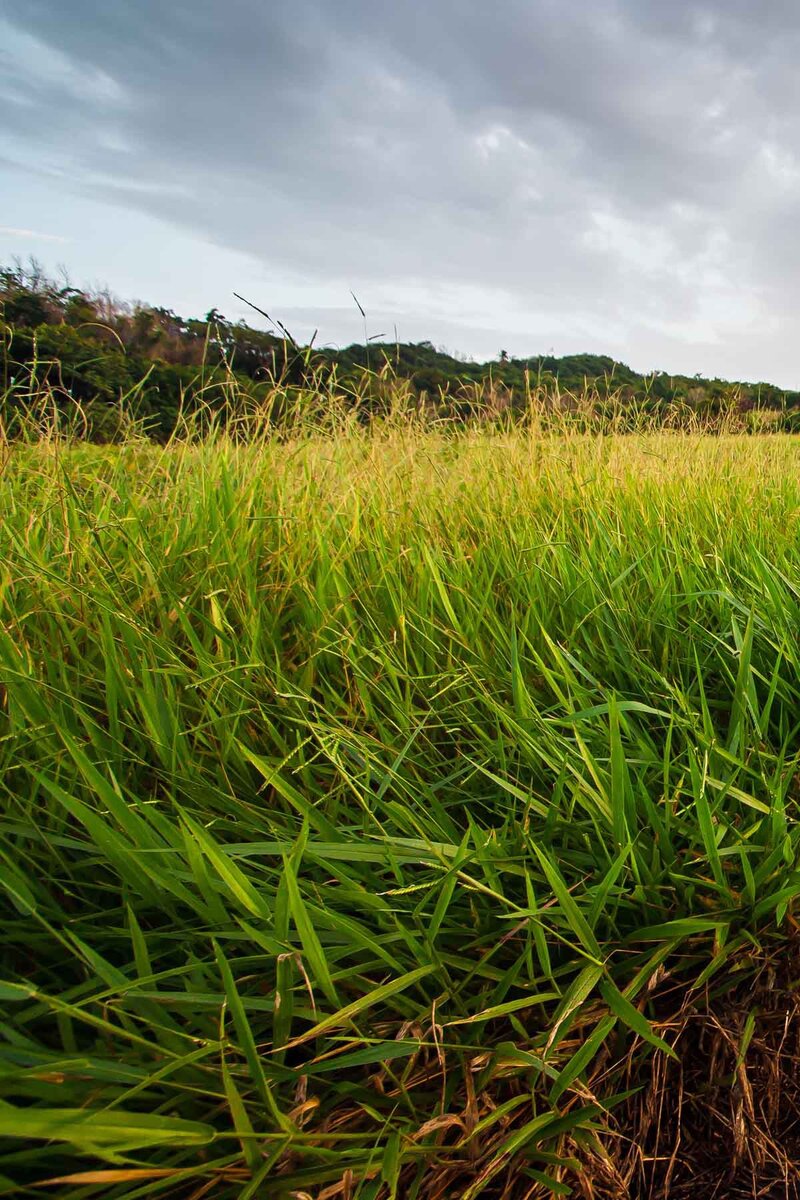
[[90, 348]]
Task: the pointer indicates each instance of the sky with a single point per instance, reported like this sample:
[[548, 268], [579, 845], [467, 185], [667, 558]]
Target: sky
[[539, 176]]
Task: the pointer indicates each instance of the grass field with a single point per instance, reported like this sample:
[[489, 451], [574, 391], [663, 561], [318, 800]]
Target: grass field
[[400, 814]]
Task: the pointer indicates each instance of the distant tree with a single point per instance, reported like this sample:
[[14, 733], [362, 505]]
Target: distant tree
[[78, 309], [24, 308], [94, 349]]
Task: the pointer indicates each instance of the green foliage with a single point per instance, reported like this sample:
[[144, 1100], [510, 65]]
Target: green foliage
[[92, 349], [359, 791]]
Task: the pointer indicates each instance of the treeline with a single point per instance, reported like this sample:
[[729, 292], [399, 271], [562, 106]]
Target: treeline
[[88, 350]]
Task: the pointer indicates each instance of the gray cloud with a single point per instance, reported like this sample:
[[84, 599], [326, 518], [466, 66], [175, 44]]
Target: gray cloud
[[620, 175]]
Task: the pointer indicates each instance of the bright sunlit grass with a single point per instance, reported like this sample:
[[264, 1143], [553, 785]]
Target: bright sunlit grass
[[380, 811]]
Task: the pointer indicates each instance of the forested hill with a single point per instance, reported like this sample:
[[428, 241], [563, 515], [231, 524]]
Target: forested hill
[[89, 347]]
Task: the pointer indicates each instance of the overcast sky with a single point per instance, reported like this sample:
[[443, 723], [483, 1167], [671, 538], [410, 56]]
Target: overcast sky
[[617, 176]]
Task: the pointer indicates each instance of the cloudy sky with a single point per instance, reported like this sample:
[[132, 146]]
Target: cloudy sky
[[618, 176]]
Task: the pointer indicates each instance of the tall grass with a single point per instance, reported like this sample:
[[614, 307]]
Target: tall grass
[[299, 397], [400, 813]]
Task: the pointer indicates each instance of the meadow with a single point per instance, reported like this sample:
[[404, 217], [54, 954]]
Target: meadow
[[405, 812]]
